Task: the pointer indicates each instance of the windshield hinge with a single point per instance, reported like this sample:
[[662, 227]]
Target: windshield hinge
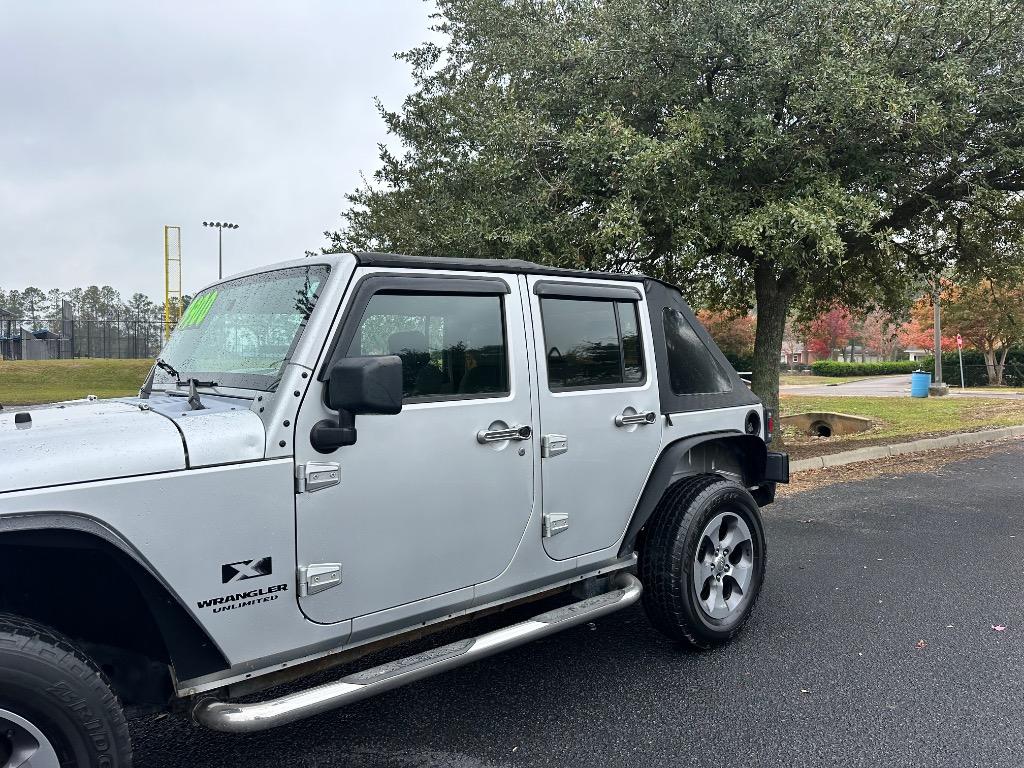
[[316, 475]]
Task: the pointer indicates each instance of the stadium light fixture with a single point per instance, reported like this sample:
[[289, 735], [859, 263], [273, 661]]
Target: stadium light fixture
[[220, 226]]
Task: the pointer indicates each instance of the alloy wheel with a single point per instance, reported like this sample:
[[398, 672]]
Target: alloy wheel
[[723, 566], [23, 745]]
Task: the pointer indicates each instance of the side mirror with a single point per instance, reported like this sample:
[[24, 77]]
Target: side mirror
[[358, 385], [366, 385]]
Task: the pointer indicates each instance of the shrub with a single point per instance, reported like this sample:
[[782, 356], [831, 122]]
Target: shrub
[[740, 362], [839, 368], [975, 373]]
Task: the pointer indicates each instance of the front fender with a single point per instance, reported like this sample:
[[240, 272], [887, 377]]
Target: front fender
[[191, 650]]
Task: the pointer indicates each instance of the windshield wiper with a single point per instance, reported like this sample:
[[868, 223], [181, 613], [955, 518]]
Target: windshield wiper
[[194, 401], [190, 381], [272, 387], [163, 365]]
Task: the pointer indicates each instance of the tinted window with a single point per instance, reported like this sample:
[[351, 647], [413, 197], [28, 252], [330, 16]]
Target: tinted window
[[632, 349], [691, 368], [591, 343], [450, 344]]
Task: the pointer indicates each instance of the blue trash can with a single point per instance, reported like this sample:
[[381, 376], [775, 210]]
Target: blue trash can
[[919, 383]]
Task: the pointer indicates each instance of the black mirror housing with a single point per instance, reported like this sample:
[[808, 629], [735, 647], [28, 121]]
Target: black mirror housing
[[358, 385], [366, 385]]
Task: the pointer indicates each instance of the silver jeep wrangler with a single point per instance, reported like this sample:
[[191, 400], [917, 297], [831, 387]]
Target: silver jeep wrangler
[[337, 455]]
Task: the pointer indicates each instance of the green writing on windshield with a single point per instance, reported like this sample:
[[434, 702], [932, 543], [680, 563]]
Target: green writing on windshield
[[198, 310]]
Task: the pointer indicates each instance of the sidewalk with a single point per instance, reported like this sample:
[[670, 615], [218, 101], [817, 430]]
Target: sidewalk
[[886, 386]]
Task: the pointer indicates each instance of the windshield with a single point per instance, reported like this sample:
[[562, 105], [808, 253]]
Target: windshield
[[242, 332]]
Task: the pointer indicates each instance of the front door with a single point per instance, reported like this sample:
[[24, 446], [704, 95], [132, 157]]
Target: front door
[[597, 391], [437, 497]]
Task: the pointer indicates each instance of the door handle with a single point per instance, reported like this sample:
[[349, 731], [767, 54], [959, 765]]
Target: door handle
[[524, 432], [624, 420]]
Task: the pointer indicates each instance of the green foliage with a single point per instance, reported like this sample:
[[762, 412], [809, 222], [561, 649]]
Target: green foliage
[[740, 362], [839, 368], [975, 374], [749, 150], [975, 371]]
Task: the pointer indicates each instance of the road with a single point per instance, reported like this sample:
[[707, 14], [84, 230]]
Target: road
[[884, 386], [828, 672]]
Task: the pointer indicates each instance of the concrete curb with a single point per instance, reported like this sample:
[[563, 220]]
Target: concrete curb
[[872, 452]]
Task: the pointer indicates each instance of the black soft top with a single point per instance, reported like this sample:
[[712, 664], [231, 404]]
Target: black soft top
[[518, 266], [661, 296]]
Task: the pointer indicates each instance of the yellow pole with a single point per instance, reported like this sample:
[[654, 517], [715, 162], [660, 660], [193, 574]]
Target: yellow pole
[[172, 284], [167, 284]]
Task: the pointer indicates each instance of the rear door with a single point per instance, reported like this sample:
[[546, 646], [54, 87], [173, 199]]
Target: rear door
[[436, 498], [599, 410]]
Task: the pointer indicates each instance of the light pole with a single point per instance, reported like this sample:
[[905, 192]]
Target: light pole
[[938, 388], [221, 226]]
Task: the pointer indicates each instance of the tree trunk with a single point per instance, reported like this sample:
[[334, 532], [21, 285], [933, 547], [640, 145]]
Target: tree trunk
[[1001, 366], [990, 362], [773, 298]]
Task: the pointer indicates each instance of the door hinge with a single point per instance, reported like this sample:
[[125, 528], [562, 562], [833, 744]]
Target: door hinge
[[553, 445], [555, 523], [316, 475], [318, 577]]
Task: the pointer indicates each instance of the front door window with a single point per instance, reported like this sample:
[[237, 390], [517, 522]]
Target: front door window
[[451, 345]]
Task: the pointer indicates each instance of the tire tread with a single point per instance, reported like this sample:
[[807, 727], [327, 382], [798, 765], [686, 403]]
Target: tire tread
[[23, 636], [661, 557]]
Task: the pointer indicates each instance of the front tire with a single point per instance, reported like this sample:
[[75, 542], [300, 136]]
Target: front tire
[[56, 708], [702, 560]]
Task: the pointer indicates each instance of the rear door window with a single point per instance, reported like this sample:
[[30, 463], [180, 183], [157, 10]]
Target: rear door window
[[591, 343]]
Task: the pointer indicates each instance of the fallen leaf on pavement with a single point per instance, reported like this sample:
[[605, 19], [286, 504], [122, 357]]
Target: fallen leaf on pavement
[[922, 644]]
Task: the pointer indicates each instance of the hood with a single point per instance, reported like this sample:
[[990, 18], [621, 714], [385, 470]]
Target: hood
[[82, 440], [224, 431], [79, 441]]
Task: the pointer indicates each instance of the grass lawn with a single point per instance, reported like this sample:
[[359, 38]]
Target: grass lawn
[[797, 379], [28, 382], [898, 419]]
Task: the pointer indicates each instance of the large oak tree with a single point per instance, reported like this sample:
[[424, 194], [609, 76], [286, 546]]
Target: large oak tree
[[776, 154]]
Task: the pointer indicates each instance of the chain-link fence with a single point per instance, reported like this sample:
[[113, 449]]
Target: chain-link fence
[[68, 337]]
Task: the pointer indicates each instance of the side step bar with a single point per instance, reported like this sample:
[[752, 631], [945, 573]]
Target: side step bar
[[247, 718]]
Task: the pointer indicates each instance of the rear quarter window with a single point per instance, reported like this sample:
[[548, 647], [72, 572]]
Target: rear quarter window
[[692, 368]]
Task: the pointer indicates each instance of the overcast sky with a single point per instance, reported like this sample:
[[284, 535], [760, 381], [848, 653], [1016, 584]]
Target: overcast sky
[[117, 118]]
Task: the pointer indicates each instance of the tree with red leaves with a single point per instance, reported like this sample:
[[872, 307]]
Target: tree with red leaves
[[734, 334], [827, 332], [919, 332], [879, 334]]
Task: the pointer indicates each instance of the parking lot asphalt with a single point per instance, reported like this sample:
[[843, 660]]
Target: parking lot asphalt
[[872, 645]]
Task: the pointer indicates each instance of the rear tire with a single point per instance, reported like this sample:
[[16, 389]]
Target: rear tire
[[56, 707], [702, 560]]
